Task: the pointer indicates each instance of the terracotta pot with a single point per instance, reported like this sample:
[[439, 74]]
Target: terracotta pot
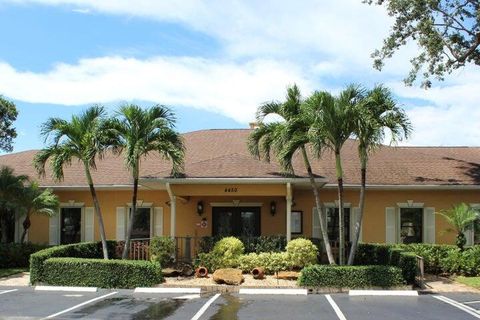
[[258, 273], [201, 272]]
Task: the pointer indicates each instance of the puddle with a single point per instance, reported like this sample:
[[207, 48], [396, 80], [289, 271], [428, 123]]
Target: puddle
[[229, 310], [129, 308], [159, 310]]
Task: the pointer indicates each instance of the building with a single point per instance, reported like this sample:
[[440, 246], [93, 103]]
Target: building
[[228, 192]]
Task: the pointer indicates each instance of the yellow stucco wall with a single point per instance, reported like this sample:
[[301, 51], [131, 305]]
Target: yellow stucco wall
[[188, 219]]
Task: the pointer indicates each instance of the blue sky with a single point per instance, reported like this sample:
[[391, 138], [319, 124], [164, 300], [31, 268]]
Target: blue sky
[[211, 62]]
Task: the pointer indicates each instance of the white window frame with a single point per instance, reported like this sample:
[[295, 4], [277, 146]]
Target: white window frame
[[330, 205], [471, 234], [141, 204]]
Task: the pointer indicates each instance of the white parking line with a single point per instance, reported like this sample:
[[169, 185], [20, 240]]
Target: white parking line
[[80, 305], [460, 306], [7, 291], [335, 307], [471, 302], [205, 307]]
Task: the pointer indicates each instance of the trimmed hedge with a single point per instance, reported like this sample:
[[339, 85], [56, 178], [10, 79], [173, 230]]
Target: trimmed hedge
[[432, 254], [388, 255], [101, 273], [350, 276], [17, 255], [252, 244], [87, 250]]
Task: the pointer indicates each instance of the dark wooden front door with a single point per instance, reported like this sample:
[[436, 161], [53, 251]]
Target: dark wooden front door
[[236, 221]]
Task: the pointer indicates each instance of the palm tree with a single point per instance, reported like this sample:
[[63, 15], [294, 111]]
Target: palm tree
[[82, 138], [374, 114], [461, 217], [11, 187], [139, 132], [285, 138], [332, 127], [36, 200]]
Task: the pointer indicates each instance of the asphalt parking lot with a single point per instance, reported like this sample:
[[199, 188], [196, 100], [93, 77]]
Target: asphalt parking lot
[[26, 303]]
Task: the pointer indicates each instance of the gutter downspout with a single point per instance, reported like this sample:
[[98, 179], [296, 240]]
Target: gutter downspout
[[173, 211]]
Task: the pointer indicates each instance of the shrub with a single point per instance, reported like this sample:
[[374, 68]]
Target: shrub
[[225, 254], [17, 255], [162, 249], [271, 262], [249, 261], [432, 254], [462, 262], [350, 276], [229, 247], [385, 254], [301, 252], [101, 273], [260, 244], [77, 250]]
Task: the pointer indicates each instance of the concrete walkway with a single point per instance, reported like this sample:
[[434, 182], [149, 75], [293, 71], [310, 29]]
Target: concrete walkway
[[437, 284], [19, 279]]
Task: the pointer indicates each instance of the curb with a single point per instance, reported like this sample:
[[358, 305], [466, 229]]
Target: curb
[[167, 290], [274, 291], [396, 293], [71, 289]]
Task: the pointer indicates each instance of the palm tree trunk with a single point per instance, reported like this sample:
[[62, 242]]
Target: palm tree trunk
[[97, 211], [358, 222], [133, 215], [320, 208], [341, 215], [26, 225]]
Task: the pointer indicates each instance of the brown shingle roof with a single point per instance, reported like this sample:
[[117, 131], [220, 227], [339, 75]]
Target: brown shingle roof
[[224, 154]]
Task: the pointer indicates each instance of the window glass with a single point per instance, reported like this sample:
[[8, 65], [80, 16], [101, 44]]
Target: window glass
[[411, 225], [141, 226], [333, 223], [70, 219], [476, 232]]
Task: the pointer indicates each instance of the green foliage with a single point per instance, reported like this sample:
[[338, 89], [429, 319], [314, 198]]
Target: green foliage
[[446, 33], [392, 255], [8, 114], [249, 261], [260, 244], [162, 249], [301, 252], [101, 273], [16, 255], [350, 276], [461, 217], [464, 262], [271, 262], [432, 254], [92, 250], [225, 254]]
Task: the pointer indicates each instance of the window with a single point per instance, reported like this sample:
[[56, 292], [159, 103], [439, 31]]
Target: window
[[476, 231], [333, 223], [296, 223], [142, 224], [236, 221], [70, 224], [411, 225]]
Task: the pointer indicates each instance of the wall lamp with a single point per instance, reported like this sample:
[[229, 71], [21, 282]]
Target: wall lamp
[[273, 208], [200, 208]]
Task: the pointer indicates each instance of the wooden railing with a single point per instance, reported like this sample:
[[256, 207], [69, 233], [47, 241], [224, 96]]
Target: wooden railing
[[420, 278]]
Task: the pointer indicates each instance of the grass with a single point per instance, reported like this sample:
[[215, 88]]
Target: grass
[[10, 271], [469, 281]]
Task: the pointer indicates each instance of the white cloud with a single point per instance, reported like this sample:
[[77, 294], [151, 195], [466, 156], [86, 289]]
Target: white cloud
[[234, 90], [281, 41]]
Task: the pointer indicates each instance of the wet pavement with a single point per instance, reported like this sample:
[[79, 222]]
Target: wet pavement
[[26, 303]]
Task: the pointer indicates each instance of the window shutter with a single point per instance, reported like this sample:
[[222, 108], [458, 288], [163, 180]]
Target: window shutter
[[429, 225], [469, 235], [54, 229], [158, 221], [353, 219], [390, 225], [121, 223], [89, 224]]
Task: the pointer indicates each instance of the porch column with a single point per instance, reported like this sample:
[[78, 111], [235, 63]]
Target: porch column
[[173, 211], [289, 212]]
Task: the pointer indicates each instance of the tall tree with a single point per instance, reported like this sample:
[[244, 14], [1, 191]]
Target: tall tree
[[446, 31], [461, 217], [139, 132], [11, 187], [8, 114], [332, 127], [375, 114], [285, 138], [34, 199], [82, 138]]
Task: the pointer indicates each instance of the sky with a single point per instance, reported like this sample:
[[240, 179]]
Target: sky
[[212, 62]]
